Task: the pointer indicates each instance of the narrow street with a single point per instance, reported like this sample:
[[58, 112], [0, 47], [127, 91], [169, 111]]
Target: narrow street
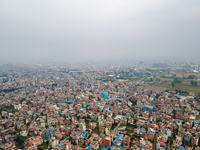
[[154, 142], [30, 123]]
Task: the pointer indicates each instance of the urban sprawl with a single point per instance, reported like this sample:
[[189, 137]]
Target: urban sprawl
[[146, 106]]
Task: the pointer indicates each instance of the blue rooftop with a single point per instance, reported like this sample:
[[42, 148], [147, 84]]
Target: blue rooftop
[[105, 148], [89, 147], [181, 148], [70, 101], [61, 144], [119, 136]]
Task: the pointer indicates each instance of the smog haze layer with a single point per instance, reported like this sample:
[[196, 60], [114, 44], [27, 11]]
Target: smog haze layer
[[98, 30]]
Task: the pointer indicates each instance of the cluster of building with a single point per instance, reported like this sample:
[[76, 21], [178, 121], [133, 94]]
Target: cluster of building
[[65, 110]]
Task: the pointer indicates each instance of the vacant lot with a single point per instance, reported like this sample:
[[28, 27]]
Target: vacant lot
[[96, 130], [44, 146], [122, 80], [166, 83], [129, 128], [153, 88], [8, 109]]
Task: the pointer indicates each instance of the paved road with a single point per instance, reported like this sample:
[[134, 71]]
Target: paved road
[[169, 145], [115, 130], [30, 123], [154, 142]]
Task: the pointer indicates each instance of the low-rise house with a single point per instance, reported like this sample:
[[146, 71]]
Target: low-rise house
[[33, 142]]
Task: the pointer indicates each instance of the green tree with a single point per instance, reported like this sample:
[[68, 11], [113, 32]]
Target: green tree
[[134, 103], [191, 77], [99, 99], [157, 96], [19, 140], [174, 75], [195, 83], [5, 75], [176, 80], [192, 82], [173, 84]]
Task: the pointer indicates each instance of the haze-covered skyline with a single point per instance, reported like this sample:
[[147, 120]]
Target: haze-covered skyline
[[99, 30]]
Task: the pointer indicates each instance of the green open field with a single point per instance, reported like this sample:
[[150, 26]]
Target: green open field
[[178, 74], [96, 130], [166, 75], [8, 109], [186, 86], [44, 146], [129, 128], [198, 117]]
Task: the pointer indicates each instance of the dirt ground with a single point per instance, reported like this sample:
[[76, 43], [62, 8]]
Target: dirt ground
[[121, 80], [153, 88], [157, 86]]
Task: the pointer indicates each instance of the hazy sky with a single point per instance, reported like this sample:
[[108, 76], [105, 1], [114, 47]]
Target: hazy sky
[[98, 29]]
